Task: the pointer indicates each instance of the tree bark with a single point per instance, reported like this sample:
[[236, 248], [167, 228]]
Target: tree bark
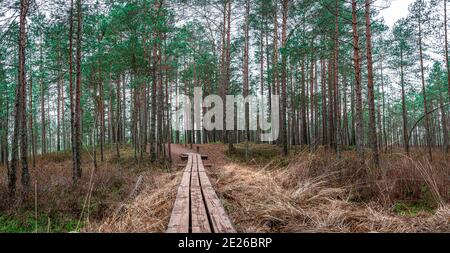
[[404, 111], [284, 136], [337, 121], [77, 121], [425, 105], [357, 65], [371, 98], [246, 74]]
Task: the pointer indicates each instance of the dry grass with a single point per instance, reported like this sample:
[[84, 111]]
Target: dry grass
[[149, 212], [258, 202], [301, 193], [62, 207], [317, 193], [304, 193]]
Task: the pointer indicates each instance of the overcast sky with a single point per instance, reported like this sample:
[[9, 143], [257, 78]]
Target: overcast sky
[[397, 10]]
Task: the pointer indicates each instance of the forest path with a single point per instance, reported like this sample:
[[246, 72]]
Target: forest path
[[215, 152], [197, 208]]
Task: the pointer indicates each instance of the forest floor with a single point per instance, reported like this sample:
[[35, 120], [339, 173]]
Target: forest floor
[[304, 192], [55, 205]]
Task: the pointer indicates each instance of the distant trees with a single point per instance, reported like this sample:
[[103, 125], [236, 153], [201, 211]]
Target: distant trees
[[418, 16], [402, 51], [105, 76]]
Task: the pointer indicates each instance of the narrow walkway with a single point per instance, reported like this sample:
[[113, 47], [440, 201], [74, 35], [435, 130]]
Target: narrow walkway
[[197, 208]]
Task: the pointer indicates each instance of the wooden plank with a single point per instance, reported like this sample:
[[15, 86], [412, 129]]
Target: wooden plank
[[179, 220], [201, 167], [199, 216], [220, 222], [188, 167]]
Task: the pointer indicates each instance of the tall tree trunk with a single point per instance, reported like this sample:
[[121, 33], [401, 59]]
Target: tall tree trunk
[[446, 47], [43, 123], [31, 115], [371, 98], [284, 136], [304, 135], [222, 69], [404, 111], [245, 74], [77, 127], [25, 179], [58, 107], [337, 113], [447, 64], [118, 117], [331, 113], [384, 107], [228, 71], [101, 111], [261, 73], [324, 104], [71, 94], [311, 104], [425, 105], [445, 140], [357, 64], [12, 173]]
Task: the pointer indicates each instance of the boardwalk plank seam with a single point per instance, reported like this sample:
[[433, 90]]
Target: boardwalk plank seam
[[197, 208]]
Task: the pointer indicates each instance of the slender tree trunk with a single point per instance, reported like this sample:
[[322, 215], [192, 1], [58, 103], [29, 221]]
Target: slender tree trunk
[[31, 115], [12, 173], [357, 64], [58, 109], [101, 111], [331, 112], [77, 120], [71, 95], [324, 104], [371, 98], [222, 69], [261, 61], [384, 107], [337, 113], [43, 123], [404, 111], [445, 141], [311, 104], [153, 155], [118, 118], [446, 47], [228, 72], [425, 105], [447, 64], [245, 74], [284, 136], [25, 179]]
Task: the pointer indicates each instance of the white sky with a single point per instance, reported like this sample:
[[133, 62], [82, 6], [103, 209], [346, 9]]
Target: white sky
[[398, 9]]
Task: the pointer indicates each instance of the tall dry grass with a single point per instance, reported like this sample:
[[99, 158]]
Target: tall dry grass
[[149, 212], [306, 193], [54, 199]]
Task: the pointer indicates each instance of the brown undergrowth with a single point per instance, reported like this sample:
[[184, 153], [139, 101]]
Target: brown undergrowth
[[307, 192], [53, 204], [318, 193]]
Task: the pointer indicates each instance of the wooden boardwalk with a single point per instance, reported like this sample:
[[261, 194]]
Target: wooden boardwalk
[[197, 208]]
